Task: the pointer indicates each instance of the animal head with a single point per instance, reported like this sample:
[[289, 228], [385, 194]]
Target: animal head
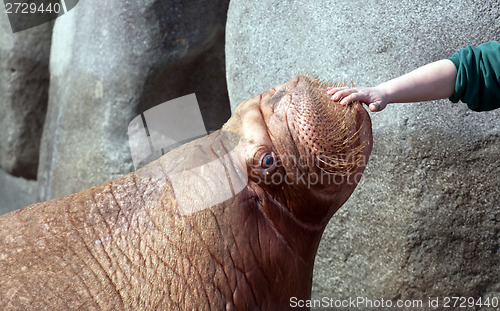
[[301, 150]]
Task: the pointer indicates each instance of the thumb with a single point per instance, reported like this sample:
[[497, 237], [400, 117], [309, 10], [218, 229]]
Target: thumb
[[374, 107]]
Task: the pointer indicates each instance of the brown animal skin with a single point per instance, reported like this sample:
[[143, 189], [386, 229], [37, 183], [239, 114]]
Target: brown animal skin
[[154, 240]]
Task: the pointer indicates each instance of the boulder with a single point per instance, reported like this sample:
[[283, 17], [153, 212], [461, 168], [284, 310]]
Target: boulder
[[15, 192], [425, 220], [24, 84], [112, 60]]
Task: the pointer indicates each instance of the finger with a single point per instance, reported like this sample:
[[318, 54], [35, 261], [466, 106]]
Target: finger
[[377, 106], [342, 94], [359, 96], [333, 90], [351, 97], [374, 107]]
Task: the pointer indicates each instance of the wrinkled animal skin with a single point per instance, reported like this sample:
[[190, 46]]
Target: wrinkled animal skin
[[230, 221]]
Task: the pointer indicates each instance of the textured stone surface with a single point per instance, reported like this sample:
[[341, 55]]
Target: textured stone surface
[[15, 192], [112, 60], [24, 84], [425, 221]]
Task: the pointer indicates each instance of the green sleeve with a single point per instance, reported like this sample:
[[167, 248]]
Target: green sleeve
[[478, 76]]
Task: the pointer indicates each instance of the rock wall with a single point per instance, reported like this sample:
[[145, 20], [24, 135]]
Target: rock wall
[[425, 220], [24, 82], [15, 192], [111, 61]]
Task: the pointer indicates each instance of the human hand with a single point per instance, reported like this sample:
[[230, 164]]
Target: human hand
[[374, 97]]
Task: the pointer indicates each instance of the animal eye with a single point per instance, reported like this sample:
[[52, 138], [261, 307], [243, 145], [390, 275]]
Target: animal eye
[[268, 160]]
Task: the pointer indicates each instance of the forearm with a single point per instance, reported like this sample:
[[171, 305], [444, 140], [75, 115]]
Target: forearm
[[432, 81]]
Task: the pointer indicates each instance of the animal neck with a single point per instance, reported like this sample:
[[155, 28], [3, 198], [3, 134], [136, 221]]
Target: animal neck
[[236, 253], [271, 254]]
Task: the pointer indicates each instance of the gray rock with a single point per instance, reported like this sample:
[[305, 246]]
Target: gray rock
[[111, 61], [24, 84], [425, 221], [15, 192]]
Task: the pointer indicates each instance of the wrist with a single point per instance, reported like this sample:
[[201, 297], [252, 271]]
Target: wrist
[[385, 91]]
